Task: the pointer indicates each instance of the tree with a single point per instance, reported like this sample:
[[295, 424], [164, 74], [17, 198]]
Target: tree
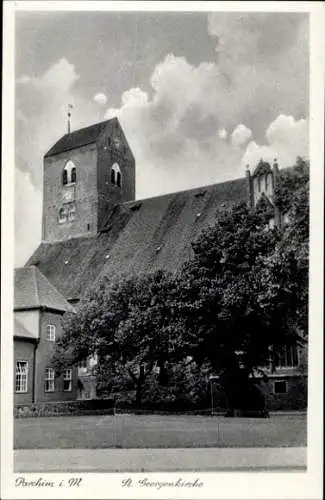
[[128, 326], [245, 292]]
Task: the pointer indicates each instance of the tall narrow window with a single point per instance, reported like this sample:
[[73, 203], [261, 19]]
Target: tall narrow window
[[65, 176], [69, 173], [116, 176], [21, 376], [259, 184], [62, 215], [67, 380], [288, 357], [72, 212], [49, 380], [73, 174], [50, 333]]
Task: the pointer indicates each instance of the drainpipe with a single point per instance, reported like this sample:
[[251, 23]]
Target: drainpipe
[[34, 373]]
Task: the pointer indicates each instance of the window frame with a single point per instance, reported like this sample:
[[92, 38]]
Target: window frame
[[116, 175], [72, 210], [49, 379], [22, 377], [293, 354], [50, 332], [62, 218], [68, 169], [67, 378], [281, 382]]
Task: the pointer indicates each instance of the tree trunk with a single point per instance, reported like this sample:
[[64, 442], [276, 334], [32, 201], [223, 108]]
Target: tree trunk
[[139, 386]]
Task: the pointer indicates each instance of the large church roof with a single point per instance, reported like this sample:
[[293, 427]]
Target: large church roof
[[78, 138], [140, 236]]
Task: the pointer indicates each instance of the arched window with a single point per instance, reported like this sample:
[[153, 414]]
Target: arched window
[[65, 177], [62, 215], [116, 176], [259, 184], [72, 212], [69, 173]]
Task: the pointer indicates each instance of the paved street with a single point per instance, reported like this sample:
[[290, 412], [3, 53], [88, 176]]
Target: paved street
[[154, 460]]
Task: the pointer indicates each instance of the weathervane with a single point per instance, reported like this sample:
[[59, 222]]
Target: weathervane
[[69, 116]]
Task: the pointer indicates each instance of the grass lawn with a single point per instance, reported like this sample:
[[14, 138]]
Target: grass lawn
[[156, 431]]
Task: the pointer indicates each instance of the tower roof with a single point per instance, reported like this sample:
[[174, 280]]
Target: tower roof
[[34, 291], [78, 138], [263, 167]]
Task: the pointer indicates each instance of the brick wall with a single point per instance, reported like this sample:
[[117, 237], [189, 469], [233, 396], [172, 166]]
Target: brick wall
[[86, 197], [43, 360], [24, 351], [108, 154], [294, 399]]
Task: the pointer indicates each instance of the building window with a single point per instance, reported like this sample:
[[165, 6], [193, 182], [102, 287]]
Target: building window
[[72, 212], [65, 177], [113, 176], [288, 357], [50, 333], [62, 215], [118, 179], [116, 176], [280, 387], [259, 184], [21, 376], [49, 380], [67, 380], [73, 175], [69, 174]]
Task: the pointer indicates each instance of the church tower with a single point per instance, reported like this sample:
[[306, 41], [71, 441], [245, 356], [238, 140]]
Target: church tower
[[86, 174]]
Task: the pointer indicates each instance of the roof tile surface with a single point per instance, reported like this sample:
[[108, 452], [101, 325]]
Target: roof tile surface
[[78, 138], [139, 237], [33, 290]]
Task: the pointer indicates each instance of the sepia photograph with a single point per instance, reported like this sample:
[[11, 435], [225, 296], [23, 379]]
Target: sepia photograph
[[161, 259]]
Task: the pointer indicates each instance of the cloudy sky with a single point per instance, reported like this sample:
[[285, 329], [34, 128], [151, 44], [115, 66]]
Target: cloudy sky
[[199, 95]]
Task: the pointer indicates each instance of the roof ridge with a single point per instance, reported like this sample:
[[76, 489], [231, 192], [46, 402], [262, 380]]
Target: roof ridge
[[199, 188]]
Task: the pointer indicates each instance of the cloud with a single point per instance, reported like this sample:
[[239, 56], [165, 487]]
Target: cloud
[[262, 57], [28, 208], [257, 87], [41, 118], [286, 138], [100, 98], [176, 132], [240, 135], [222, 133]]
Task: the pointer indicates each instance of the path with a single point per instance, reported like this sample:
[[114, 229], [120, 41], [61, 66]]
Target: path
[[164, 460]]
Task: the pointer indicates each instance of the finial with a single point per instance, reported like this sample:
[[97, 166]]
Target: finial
[[69, 116]]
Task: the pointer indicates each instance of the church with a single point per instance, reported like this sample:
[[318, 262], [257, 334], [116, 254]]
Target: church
[[92, 226]]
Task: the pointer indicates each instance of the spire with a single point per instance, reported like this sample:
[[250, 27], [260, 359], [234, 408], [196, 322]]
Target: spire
[[69, 116]]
